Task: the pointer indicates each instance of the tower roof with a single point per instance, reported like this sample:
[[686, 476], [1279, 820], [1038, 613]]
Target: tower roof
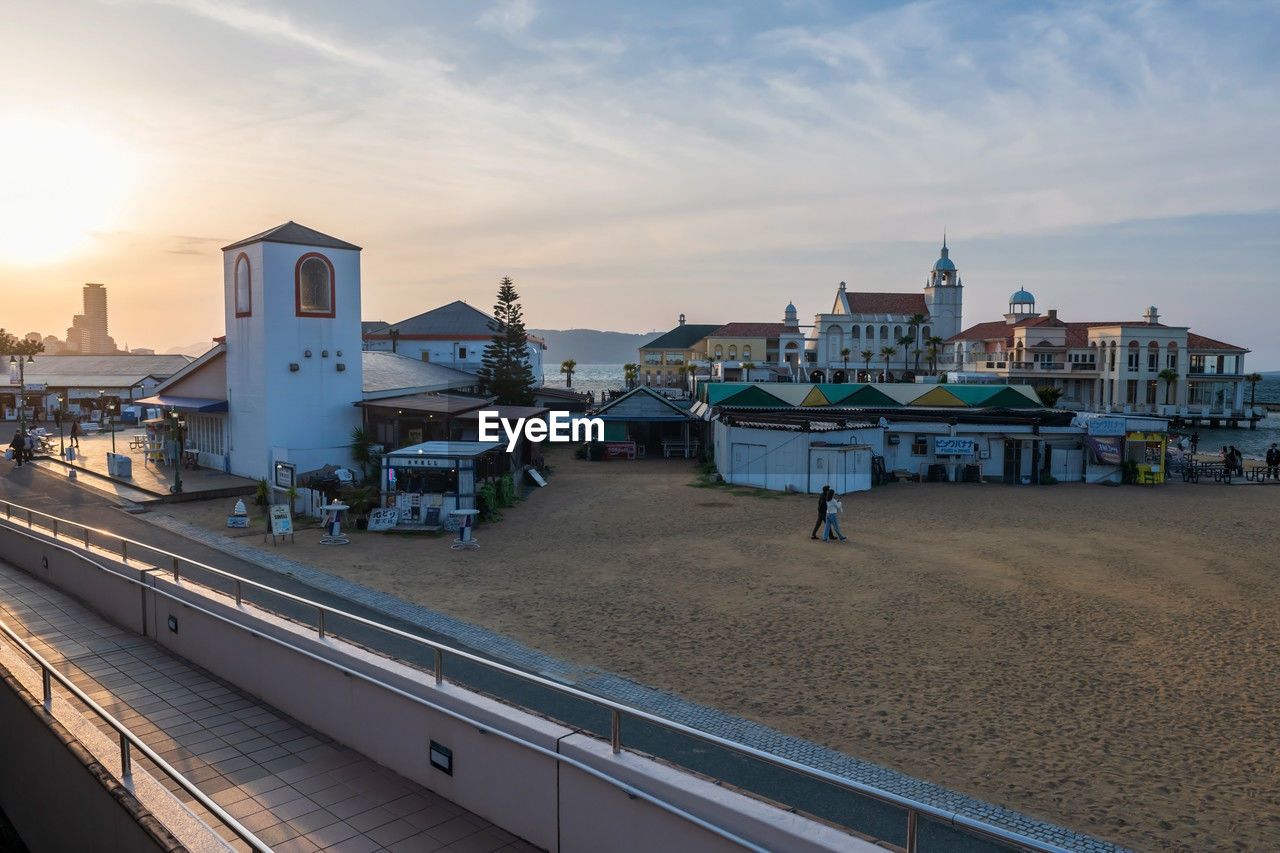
[[292, 232], [944, 263], [1021, 297]]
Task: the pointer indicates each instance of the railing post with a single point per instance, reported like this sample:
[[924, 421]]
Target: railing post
[[439, 665], [86, 539], [48, 687], [124, 550], [913, 828], [126, 762], [30, 519], [55, 528], [615, 734], [320, 621], [239, 598], [175, 569]]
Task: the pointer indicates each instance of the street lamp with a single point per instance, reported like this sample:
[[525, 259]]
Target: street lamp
[[108, 410], [57, 401], [176, 424], [22, 386]]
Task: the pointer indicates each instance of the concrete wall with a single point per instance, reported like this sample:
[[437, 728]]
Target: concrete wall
[[526, 792], [56, 795]]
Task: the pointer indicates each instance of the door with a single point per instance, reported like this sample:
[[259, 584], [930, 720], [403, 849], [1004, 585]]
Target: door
[[748, 464], [1012, 461]]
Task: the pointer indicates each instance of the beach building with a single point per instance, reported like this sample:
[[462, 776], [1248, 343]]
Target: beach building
[[758, 352], [773, 436], [873, 321], [1141, 366], [452, 335], [664, 359], [82, 385]]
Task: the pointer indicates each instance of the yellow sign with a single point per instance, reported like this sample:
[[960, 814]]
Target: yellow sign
[[1145, 436]]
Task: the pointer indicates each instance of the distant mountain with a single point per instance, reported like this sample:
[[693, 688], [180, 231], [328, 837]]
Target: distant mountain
[[197, 349], [591, 346]]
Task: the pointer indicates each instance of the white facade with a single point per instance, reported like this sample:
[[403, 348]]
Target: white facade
[[782, 460], [863, 321], [293, 358]]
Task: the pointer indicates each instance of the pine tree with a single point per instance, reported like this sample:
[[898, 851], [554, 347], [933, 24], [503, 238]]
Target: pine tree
[[505, 372]]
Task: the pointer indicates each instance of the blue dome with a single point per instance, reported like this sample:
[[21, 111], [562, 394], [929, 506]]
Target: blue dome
[[1022, 298], [944, 265], [791, 308]]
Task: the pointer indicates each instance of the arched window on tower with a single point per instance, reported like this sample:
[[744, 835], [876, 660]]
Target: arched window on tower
[[243, 286], [313, 286]]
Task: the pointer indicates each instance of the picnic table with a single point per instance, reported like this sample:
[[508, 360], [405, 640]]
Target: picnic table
[[684, 448]]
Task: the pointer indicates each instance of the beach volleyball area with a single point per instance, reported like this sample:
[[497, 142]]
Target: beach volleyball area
[[1107, 658]]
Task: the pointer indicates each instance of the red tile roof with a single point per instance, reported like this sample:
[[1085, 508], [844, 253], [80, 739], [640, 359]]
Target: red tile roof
[[750, 330], [1077, 333], [1195, 341], [886, 303]]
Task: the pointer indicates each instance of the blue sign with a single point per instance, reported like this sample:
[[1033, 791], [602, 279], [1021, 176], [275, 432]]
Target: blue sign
[[945, 445]]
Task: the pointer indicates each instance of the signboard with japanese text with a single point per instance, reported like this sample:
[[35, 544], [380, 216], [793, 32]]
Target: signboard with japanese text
[[944, 445], [1106, 426]]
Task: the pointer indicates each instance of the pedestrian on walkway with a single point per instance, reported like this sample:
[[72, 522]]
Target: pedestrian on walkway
[[833, 520], [822, 511], [76, 432], [18, 447]]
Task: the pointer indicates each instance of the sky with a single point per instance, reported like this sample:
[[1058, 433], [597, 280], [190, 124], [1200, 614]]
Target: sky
[[628, 162]]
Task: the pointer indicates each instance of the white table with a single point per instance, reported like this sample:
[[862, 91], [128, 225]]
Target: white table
[[333, 524], [465, 540]]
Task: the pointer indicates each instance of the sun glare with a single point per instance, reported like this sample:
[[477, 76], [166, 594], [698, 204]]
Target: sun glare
[[59, 183]]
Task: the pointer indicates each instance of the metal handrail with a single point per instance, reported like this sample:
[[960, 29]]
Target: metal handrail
[[128, 741], [913, 808]]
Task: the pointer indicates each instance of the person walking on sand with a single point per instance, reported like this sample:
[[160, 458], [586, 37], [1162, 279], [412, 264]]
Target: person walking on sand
[[822, 511], [1273, 461], [1237, 460], [833, 520], [76, 432], [18, 447]]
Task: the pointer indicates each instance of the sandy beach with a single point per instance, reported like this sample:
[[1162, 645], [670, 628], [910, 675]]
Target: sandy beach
[[1105, 658]]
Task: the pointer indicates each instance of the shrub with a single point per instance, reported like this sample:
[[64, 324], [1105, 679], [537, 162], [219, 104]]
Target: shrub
[[487, 502]]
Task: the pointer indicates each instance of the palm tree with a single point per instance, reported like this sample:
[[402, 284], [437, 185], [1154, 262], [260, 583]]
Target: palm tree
[[905, 342], [886, 353], [844, 356], [630, 373], [747, 367], [1170, 376], [914, 322], [567, 367], [867, 355], [934, 350], [1253, 379]]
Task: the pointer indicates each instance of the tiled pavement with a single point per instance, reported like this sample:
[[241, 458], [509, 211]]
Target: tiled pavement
[[293, 787]]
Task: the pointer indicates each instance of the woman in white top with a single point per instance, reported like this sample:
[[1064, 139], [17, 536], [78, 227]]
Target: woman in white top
[[833, 518]]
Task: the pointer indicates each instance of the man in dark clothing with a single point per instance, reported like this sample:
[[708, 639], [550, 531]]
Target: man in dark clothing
[[19, 447], [1273, 461], [822, 511]]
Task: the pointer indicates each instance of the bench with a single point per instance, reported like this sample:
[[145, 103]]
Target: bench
[[683, 448]]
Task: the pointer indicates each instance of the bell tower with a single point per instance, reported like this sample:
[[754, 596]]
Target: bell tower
[[944, 295], [292, 308]]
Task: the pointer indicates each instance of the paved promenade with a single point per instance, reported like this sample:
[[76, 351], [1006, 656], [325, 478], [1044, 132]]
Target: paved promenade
[[294, 787]]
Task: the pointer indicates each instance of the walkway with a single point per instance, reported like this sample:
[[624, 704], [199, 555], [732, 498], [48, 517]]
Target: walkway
[[149, 481], [295, 788]]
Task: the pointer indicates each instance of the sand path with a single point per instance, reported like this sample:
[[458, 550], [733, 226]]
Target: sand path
[[1104, 658]]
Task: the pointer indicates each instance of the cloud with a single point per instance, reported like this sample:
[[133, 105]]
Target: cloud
[[508, 16]]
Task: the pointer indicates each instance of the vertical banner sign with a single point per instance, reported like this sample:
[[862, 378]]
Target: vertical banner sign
[[15, 377]]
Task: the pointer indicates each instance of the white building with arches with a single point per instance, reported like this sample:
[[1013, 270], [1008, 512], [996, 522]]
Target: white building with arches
[[862, 322], [1119, 366]]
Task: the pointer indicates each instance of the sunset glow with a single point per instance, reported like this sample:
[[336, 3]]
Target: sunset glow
[[62, 182]]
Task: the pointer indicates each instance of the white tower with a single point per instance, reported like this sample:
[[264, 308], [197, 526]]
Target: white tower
[[944, 296], [292, 298]]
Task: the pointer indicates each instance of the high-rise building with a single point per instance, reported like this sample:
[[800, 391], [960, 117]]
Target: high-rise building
[[88, 331]]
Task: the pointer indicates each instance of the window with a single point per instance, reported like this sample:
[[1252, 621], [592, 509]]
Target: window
[[733, 352], [244, 286], [719, 353], [1152, 365], [313, 286], [746, 352], [1133, 359], [920, 447], [462, 353]]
